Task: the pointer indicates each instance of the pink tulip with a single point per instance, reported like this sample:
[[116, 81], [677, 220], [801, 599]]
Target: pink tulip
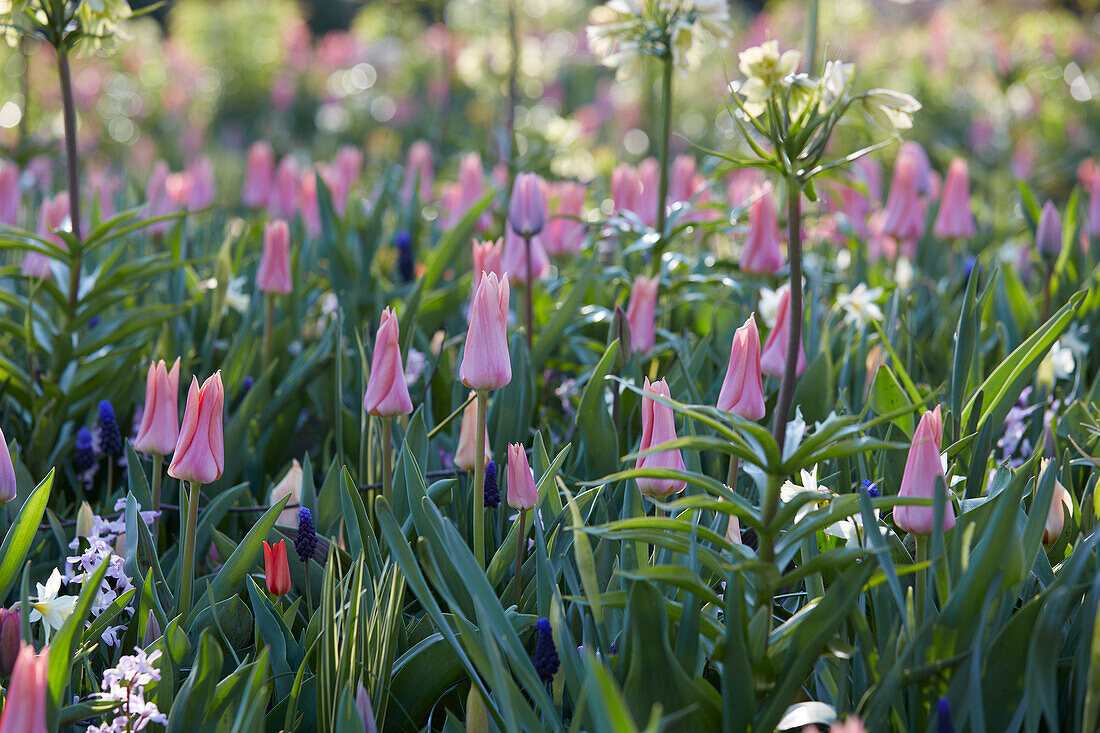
[[904, 207], [1092, 225], [658, 428], [514, 259], [419, 173], [1056, 516], [387, 393], [869, 171], [158, 199], [927, 181], [346, 168], [273, 275], [259, 177], [307, 203], [879, 244], [7, 472], [200, 449], [471, 182], [684, 182], [741, 185], [52, 218], [564, 234], [467, 439], [160, 419], [283, 203], [762, 253], [626, 188], [641, 313], [527, 206], [522, 492], [487, 258], [954, 220], [923, 474], [11, 195], [204, 188], [774, 358], [366, 713], [649, 176], [10, 623], [485, 362], [1048, 233], [25, 705], [742, 390]]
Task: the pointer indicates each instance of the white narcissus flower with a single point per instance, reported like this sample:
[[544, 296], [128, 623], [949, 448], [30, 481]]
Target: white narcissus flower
[[860, 306], [49, 608]]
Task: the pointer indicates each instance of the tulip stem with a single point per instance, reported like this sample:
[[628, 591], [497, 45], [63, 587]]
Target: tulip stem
[[794, 313], [521, 545], [65, 76], [666, 133], [922, 577], [387, 461], [479, 479], [528, 295], [269, 327], [187, 559]]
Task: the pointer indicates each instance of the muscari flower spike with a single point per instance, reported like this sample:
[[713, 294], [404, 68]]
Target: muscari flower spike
[[405, 264], [110, 437], [871, 488], [305, 542], [545, 657], [492, 489], [943, 716], [85, 452]]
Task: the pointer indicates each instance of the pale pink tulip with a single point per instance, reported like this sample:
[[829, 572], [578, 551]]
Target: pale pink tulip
[[25, 704], [200, 449], [658, 428], [514, 259], [922, 478], [160, 426], [1048, 233], [273, 274], [773, 360], [11, 194], [954, 219], [387, 393], [259, 176], [762, 253], [527, 206], [283, 203], [419, 173], [485, 361], [467, 439], [742, 390], [522, 492], [641, 313], [564, 234]]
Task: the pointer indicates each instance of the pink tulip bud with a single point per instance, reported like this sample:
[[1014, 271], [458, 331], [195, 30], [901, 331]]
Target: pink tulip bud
[[419, 173], [346, 168], [762, 253], [9, 641], [1048, 234], [774, 358], [564, 234], [307, 203], [200, 449], [954, 220], [465, 455], [641, 313], [7, 472], [742, 390], [366, 713], [204, 187], [387, 393], [904, 207], [487, 258], [273, 275], [522, 492], [25, 705], [11, 195], [514, 259], [527, 207], [927, 181], [259, 176], [658, 428], [178, 189], [626, 188], [649, 176], [923, 474], [283, 203], [485, 362], [160, 420], [869, 171]]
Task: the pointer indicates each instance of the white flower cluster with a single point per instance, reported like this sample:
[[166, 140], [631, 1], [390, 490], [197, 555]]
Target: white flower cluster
[[125, 685], [622, 31]]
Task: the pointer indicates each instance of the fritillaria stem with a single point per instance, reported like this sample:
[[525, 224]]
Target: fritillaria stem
[[794, 326], [69, 116]]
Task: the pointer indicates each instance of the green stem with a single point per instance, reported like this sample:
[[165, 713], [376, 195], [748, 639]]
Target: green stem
[[521, 546], [811, 37], [158, 477], [187, 568], [794, 313], [666, 133], [387, 461], [922, 578], [731, 481], [69, 117], [269, 328], [479, 480]]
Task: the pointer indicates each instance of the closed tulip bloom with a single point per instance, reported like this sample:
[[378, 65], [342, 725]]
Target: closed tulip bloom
[[485, 362], [954, 220], [927, 181], [342, 174], [7, 472], [641, 313], [564, 234], [658, 428], [363, 707], [25, 705], [1056, 517], [467, 439], [649, 176], [684, 181], [284, 197], [204, 187], [514, 259], [923, 474], [1092, 225], [277, 569], [387, 393], [1048, 234], [774, 357], [419, 173], [307, 203], [904, 206], [11, 195], [487, 258], [259, 177], [527, 207], [762, 253], [9, 641], [273, 275], [522, 492], [626, 188], [160, 426], [53, 216], [742, 390], [200, 449], [289, 486]]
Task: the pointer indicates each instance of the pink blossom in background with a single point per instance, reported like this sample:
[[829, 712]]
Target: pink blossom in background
[[308, 205], [649, 175], [514, 260], [203, 184], [53, 216], [284, 198], [564, 234], [284, 90], [158, 201], [419, 173], [741, 185], [11, 193]]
